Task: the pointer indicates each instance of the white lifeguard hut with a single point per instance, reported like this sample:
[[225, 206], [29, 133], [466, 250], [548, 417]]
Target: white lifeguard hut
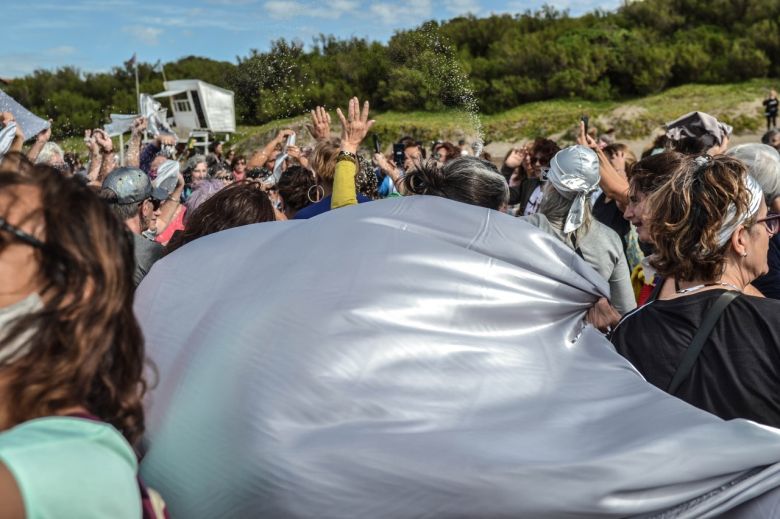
[[200, 109]]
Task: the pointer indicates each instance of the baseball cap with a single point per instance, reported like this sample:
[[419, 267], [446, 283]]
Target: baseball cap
[[132, 185]]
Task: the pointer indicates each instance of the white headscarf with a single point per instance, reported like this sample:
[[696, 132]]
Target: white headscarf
[[7, 135], [574, 173], [731, 222]]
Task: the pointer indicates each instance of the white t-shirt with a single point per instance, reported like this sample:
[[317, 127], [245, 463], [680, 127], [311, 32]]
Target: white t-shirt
[[534, 201]]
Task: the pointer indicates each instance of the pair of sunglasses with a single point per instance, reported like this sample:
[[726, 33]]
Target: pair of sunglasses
[[19, 235]]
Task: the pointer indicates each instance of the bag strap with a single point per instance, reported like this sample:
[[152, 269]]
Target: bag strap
[[692, 353]]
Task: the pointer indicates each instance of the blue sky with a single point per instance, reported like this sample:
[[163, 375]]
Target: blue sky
[[95, 35]]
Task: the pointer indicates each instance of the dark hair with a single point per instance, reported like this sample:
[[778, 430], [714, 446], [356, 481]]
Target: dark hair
[[87, 348], [452, 150], [123, 212], [545, 147], [214, 145], [242, 203], [466, 179], [767, 137], [652, 172], [686, 214], [693, 145], [294, 185], [366, 181], [236, 160], [660, 142]]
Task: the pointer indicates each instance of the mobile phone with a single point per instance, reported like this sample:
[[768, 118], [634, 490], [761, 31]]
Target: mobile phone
[[290, 142], [377, 148], [398, 154], [585, 119]]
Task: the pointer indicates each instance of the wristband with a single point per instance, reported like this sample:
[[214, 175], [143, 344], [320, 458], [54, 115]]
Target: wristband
[[346, 155]]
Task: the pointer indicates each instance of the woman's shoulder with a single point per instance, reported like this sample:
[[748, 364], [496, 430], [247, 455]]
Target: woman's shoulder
[[72, 467]]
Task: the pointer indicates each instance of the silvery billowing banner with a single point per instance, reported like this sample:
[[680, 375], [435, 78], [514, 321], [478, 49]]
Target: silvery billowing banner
[[30, 123], [155, 116], [120, 124], [415, 357]]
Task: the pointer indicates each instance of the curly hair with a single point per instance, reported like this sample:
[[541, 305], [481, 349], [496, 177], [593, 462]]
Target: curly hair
[[545, 147], [238, 204], [294, 186], [366, 182], [686, 214], [87, 349]]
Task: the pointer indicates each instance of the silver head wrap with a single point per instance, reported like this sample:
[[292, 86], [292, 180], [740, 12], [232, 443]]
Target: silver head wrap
[[167, 177], [763, 163], [696, 124], [731, 222], [574, 173], [7, 135]]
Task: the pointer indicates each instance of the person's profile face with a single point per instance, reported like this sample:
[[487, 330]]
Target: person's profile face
[[20, 209], [774, 141], [636, 214]]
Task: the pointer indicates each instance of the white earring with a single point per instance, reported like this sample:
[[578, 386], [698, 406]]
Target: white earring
[[744, 254]]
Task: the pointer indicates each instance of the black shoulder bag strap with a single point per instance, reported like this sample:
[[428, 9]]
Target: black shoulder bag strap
[[704, 331]]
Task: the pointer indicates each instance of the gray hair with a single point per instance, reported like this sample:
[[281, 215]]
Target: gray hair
[[555, 207], [193, 162], [470, 180], [763, 164], [48, 154]]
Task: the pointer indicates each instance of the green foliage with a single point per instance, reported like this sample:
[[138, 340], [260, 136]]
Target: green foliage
[[488, 64]]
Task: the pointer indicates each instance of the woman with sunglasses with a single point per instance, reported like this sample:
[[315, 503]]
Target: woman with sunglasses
[[71, 353], [705, 339]]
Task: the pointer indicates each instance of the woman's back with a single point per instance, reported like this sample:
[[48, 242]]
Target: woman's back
[[601, 247], [71, 467], [737, 372]]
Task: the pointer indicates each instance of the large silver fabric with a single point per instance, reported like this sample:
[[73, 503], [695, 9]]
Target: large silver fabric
[[30, 123], [414, 357]]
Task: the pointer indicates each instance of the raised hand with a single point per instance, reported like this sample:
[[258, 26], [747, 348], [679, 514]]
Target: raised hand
[[91, 143], [103, 140], [139, 125], [515, 157], [586, 140], [320, 124], [355, 126], [44, 135]]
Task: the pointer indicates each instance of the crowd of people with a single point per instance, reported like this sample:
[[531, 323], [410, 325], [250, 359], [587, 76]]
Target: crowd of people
[[686, 237]]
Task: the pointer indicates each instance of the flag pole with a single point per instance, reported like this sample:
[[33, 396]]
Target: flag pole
[[137, 89]]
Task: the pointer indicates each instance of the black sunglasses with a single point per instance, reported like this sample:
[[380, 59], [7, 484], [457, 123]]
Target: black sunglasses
[[771, 222], [20, 235]]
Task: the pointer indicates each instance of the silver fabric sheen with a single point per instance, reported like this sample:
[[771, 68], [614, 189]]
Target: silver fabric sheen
[[414, 357]]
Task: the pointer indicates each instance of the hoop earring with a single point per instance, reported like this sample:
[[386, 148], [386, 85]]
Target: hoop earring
[[320, 193]]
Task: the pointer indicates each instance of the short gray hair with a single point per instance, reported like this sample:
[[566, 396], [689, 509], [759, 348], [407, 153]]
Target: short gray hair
[[470, 180], [193, 162], [48, 153]]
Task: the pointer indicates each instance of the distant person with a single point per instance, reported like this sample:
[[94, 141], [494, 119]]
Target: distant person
[[697, 132], [528, 194], [772, 138], [770, 109], [129, 193]]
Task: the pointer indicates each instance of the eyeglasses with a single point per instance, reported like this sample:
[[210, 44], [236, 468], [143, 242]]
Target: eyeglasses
[[155, 203], [771, 222], [225, 178], [20, 235], [539, 160]]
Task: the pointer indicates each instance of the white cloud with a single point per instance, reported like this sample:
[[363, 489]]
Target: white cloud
[[390, 13], [282, 9], [146, 35], [457, 7]]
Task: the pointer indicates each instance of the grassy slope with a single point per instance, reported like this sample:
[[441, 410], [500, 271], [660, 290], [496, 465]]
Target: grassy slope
[[737, 104]]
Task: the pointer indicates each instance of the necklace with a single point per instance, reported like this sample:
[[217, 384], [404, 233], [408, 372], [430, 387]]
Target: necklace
[[699, 287]]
